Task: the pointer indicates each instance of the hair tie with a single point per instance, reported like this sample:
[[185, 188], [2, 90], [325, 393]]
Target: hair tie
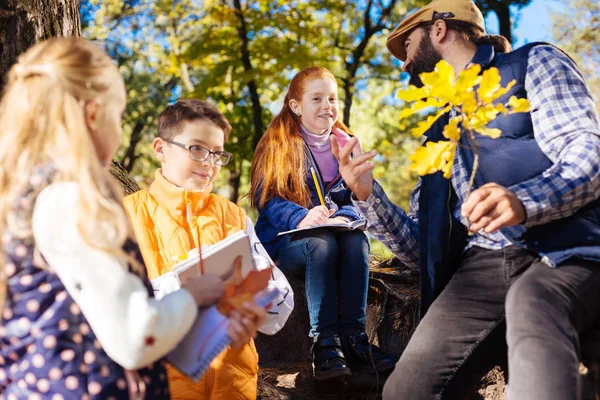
[[26, 71]]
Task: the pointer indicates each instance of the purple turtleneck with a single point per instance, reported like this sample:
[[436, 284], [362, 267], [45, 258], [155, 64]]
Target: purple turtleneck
[[320, 146]]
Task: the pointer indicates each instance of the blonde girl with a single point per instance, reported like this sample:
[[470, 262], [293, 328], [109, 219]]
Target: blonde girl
[[78, 319]]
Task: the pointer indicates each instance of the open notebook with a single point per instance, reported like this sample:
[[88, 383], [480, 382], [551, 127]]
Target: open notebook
[[336, 226], [217, 259], [208, 338]]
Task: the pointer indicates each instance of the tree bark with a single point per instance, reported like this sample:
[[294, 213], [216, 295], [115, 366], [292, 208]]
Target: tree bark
[[25, 22], [503, 13], [234, 185], [130, 154], [252, 87], [129, 185]]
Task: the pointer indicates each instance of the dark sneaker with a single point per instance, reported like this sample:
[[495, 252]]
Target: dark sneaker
[[328, 358], [364, 357]]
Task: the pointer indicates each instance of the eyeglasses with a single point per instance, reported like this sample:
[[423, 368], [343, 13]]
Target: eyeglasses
[[199, 153]]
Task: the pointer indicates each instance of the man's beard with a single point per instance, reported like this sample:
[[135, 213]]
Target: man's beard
[[425, 60]]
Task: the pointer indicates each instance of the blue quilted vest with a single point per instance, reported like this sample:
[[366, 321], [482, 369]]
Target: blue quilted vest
[[512, 158]]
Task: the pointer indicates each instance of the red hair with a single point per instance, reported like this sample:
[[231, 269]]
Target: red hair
[[279, 164]]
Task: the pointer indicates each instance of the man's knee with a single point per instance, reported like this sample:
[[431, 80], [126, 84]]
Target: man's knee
[[403, 382], [421, 371], [533, 304]]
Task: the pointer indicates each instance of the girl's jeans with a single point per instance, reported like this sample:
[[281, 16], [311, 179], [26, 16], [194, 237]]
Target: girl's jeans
[[335, 267]]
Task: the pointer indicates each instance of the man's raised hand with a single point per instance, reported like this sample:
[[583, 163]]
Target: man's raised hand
[[355, 171]]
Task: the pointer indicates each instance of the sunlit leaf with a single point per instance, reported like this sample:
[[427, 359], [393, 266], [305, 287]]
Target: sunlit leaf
[[494, 133], [483, 116], [518, 105], [412, 93], [442, 77], [423, 126], [440, 81], [489, 85], [467, 79], [452, 131], [504, 90], [433, 157]]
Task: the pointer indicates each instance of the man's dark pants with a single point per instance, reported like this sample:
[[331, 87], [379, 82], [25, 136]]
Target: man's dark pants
[[500, 297]]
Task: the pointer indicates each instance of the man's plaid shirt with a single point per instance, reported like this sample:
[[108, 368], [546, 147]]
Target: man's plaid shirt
[[566, 128]]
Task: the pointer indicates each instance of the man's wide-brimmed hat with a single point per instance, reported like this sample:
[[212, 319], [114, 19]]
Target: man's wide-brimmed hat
[[458, 10]]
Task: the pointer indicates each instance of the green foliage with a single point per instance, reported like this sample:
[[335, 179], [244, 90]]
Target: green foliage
[[492, 5], [581, 39], [168, 49]]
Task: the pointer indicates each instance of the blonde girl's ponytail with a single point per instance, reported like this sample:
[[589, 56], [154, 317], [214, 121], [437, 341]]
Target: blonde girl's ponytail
[[42, 121]]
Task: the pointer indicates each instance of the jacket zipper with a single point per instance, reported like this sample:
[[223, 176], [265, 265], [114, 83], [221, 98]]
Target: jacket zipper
[[314, 164], [210, 381]]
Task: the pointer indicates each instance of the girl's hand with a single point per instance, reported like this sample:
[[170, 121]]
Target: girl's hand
[[206, 289], [318, 215], [338, 220], [243, 323]]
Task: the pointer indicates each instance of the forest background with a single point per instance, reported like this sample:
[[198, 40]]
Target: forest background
[[241, 55]]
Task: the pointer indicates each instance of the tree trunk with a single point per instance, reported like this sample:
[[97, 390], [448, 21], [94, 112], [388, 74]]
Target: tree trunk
[[252, 87], [348, 88], [503, 13], [234, 185], [25, 22], [130, 154], [129, 185]]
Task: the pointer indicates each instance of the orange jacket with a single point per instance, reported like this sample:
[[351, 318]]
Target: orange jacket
[[167, 221]]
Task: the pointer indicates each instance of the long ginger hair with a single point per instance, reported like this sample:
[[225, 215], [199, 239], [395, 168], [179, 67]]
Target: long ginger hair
[[279, 166]]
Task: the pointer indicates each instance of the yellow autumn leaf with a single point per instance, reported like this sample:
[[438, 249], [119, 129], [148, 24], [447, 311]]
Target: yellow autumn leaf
[[440, 81], [467, 79], [483, 116], [423, 126], [467, 101], [518, 105], [503, 90], [494, 133], [433, 157], [406, 112], [449, 155], [489, 85], [419, 106], [501, 108], [452, 131], [412, 93]]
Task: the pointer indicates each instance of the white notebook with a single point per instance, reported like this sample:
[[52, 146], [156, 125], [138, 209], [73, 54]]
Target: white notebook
[[208, 338], [335, 226], [217, 259]]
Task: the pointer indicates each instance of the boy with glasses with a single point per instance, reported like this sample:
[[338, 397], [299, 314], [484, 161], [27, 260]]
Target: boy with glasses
[[178, 213]]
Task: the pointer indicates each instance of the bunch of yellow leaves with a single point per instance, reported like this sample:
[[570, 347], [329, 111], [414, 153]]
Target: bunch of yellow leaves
[[471, 96]]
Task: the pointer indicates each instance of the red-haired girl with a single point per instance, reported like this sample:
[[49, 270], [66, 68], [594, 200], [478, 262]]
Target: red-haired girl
[[296, 184]]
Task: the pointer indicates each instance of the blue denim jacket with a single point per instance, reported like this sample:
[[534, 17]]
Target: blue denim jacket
[[279, 215]]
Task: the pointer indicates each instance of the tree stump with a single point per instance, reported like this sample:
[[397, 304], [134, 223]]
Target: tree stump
[[285, 358]]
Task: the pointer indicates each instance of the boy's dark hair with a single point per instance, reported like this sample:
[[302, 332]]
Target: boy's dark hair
[[172, 119]]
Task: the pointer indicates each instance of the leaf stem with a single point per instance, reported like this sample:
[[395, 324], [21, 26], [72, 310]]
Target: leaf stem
[[475, 148]]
